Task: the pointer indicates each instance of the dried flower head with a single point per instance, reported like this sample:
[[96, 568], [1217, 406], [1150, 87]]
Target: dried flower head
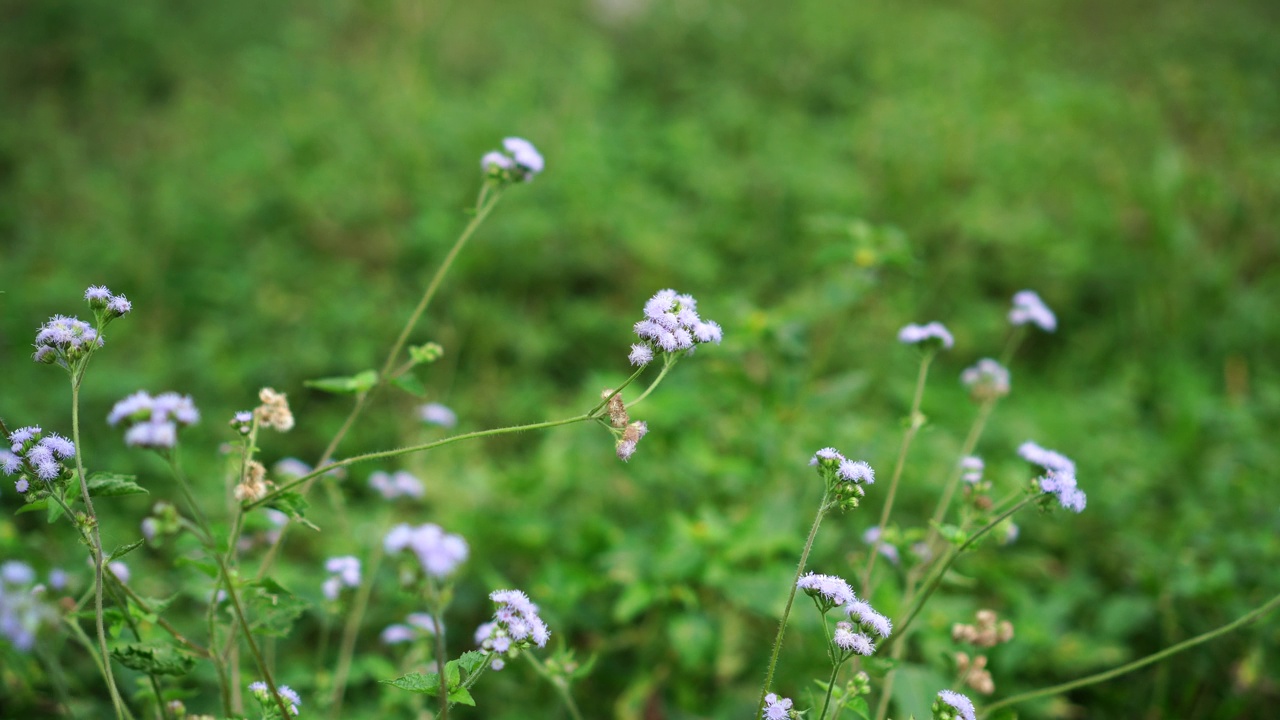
[[274, 410], [254, 486], [630, 438]]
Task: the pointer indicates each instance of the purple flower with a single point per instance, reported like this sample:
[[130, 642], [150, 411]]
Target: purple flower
[[16, 572], [1047, 459], [22, 485], [9, 463], [671, 324], [438, 552], [154, 422], [972, 466], [20, 436], [776, 708], [1029, 308], [888, 550], [960, 706], [525, 155], [423, 622], [515, 624], [97, 295], [395, 634], [68, 337], [437, 414], [828, 590], [344, 568], [1062, 483], [856, 472], [495, 160], [861, 612], [641, 354], [59, 445], [935, 331], [392, 486], [827, 453], [987, 379], [119, 306]]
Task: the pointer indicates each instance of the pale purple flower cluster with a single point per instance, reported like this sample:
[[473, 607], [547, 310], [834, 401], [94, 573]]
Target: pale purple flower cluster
[[153, 422], [437, 414], [1062, 483], [1029, 308], [935, 331], [855, 635], [952, 705], [861, 613], [34, 454], [65, 339], [439, 553], [416, 625], [671, 324], [850, 641], [519, 160], [397, 484], [972, 467], [827, 591], [1047, 459], [776, 708], [888, 550], [345, 572], [987, 379], [854, 472], [515, 626], [288, 694], [23, 609]]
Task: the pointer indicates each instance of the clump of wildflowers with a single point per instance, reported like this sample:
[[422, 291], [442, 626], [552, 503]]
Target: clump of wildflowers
[[154, 422], [397, 484], [778, 708], [344, 572], [986, 380], [66, 341], [1029, 308], [671, 324], [268, 703], [844, 477], [518, 160], [932, 335], [439, 553], [827, 591], [515, 626], [242, 422], [33, 455], [437, 414], [951, 705]]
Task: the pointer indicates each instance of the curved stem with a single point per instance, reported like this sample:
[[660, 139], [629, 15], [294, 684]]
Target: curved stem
[[95, 545], [915, 422], [786, 611], [668, 362], [1245, 619]]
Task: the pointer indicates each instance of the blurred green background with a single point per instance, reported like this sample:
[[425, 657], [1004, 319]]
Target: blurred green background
[[272, 183]]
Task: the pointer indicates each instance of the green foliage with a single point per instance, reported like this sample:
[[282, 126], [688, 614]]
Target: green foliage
[[155, 659], [271, 609], [109, 484], [456, 673]]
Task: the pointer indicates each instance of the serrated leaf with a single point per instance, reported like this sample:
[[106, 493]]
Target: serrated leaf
[[471, 661], [410, 383], [109, 484], [274, 609], [294, 505], [420, 683], [153, 658], [125, 550], [358, 383]]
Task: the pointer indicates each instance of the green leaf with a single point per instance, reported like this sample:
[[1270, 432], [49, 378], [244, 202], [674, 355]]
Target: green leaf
[[858, 706], [274, 609], [36, 506], [208, 567], [125, 550], [426, 353], [429, 683], [109, 484], [153, 658], [294, 505], [471, 661], [422, 684], [410, 383], [55, 511], [358, 383]]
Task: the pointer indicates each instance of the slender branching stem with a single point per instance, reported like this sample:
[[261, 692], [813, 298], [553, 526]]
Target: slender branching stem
[[914, 422], [561, 687], [831, 686], [351, 630], [791, 596], [668, 362], [95, 545], [78, 633], [1245, 619]]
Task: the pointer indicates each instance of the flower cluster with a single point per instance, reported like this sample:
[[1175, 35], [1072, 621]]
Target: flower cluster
[[32, 454], [254, 484], [263, 694], [66, 340], [437, 414], [778, 708], [439, 553], [518, 160], [515, 626], [1029, 308], [827, 591], [986, 380], [855, 636], [397, 484], [971, 466], [628, 434], [274, 410], [416, 625], [953, 706], [1047, 459], [344, 572], [671, 324], [23, 608], [1062, 483], [153, 422], [931, 335], [844, 477]]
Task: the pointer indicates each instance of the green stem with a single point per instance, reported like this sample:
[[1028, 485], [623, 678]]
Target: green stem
[[352, 628], [831, 686], [668, 362], [1245, 619], [95, 545], [970, 442], [78, 633], [437, 604], [915, 422], [411, 449], [562, 688], [248, 636], [786, 611]]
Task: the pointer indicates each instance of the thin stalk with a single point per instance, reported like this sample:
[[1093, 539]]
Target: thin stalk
[[164, 624], [436, 602], [970, 442], [79, 634], [352, 628], [162, 712], [831, 686], [1245, 619], [96, 546], [248, 636], [915, 422], [562, 688], [786, 611], [669, 361]]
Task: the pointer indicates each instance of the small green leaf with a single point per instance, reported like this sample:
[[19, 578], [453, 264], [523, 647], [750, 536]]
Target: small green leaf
[[461, 695], [55, 512], [422, 684], [294, 505], [125, 550], [358, 383], [208, 567], [410, 383], [36, 506], [109, 484], [858, 706], [426, 353], [471, 661], [153, 658], [274, 608]]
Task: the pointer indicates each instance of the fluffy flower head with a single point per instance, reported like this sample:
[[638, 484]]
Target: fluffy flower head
[[932, 333], [1029, 308]]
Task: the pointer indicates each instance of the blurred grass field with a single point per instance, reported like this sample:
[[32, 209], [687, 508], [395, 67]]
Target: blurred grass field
[[271, 184]]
